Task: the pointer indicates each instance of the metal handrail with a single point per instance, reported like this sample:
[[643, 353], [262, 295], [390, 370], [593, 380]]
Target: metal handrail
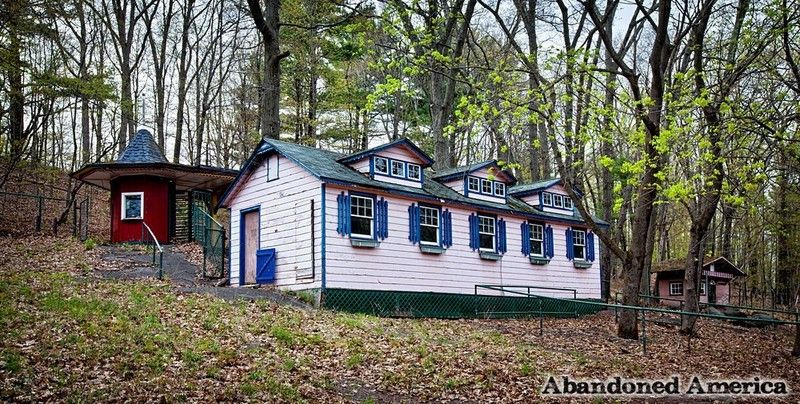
[[211, 217], [502, 288], [156, 247], [682, 301]]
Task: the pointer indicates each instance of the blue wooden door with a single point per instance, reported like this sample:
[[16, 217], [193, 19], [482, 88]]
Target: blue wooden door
[[265, 266]]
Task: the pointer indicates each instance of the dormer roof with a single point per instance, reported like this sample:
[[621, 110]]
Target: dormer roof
[[538, 186], [451, 173], [427, 161]]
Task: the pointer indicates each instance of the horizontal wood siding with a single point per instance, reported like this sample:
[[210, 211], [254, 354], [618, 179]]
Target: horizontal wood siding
[[361, 165], [400, 152], [399, 265], [399, 181], [285, 223]]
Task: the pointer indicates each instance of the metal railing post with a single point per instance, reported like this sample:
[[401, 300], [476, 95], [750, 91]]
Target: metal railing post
[[541, 318], [39, 203], [644, 332]]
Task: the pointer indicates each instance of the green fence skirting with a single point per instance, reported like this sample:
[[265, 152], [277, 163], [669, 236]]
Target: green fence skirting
[[451, 305]]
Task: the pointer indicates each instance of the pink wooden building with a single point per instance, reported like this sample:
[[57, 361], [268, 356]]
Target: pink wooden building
[[382, 221], [715, 280]]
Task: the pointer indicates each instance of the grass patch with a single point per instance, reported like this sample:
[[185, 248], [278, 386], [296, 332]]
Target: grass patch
[[283, 335], [12, 361]]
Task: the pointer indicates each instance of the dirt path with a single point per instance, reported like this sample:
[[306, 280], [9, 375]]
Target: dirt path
[[126, 262]]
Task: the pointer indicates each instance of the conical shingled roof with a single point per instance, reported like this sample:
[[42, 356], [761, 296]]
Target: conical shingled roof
[[142, 149]]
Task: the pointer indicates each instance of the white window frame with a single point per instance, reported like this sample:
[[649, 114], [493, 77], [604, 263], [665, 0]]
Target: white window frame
[[531, 226], [402, 165], [408, 171], [702, 288], [499, 186], [575, 244], [476, 181], [123, 210], [371, 217], [676, 283], [484, 182], [273, 167], [493, 233], [568, 199], [422, 223], [558, 201], [547, 199], [375, 165]]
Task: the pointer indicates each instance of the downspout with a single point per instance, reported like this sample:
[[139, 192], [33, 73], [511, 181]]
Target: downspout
[[322, 244]]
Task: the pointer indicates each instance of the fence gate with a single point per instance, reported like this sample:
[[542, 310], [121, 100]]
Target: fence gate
[[209, 233]]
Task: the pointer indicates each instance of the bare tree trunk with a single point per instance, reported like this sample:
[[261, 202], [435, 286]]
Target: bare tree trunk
[[183, 72], [267, 22]]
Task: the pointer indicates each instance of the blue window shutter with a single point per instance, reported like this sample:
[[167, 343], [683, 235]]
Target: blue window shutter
[[343, 225], [473, 232], [548, 235], [590, 246], [570, 251], [525, 231], [447, 229], [347, 224], [541, 201], [381, 219], [339, 220], [501, 236], [413, 223]]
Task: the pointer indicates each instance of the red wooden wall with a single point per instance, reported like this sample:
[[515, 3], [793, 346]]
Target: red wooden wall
[[156, 208]]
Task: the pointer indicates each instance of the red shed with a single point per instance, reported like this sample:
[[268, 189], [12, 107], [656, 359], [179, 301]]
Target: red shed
[[146, 188]]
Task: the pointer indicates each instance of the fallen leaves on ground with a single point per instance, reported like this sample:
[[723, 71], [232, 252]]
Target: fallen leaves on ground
[[68, 336]]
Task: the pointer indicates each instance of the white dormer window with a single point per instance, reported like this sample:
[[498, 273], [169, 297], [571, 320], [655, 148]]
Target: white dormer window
[[414, 172], [558, 201], [473, 184], [381, 165], [486, 187], [500, 189], [547, 199], [398, 169], [567, 202]]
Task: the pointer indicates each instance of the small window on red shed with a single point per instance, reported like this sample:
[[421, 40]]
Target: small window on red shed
[[132, 205]]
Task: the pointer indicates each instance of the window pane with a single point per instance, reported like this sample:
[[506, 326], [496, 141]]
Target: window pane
[[487, 241], [499, 189], [547, 199], [361, 226], [133, 206], [568, 202], [536, 247], [578, 250], [361, 206], [558, 201], [398, 169], [429, 234], [413, 171], [474, 184], [429, 216], [381, 165], [536, 232], [486, 225], [486, 187]]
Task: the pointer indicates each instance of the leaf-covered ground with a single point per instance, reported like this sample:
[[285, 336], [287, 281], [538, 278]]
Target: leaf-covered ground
[[67, 335]]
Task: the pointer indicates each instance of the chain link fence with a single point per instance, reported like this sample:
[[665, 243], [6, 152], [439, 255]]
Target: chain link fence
[[452, 305]]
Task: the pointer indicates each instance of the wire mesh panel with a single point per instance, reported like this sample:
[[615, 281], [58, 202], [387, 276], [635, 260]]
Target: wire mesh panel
[[214, 251], [451, 305]]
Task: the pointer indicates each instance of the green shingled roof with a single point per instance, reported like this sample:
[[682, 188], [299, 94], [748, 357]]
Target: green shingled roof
[[324, 165]]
